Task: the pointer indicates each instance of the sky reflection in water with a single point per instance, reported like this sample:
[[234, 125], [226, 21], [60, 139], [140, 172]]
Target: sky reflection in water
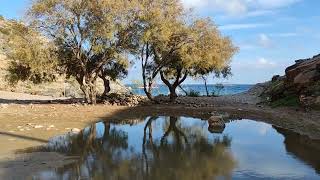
[[183, 148]]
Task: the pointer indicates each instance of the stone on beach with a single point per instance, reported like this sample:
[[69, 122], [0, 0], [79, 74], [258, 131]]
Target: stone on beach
[[38, 126]]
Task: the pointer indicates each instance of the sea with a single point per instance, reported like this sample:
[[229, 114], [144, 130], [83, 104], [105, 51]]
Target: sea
[[226, 89]]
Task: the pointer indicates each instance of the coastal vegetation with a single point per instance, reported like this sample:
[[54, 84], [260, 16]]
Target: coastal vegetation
[[87, 40]]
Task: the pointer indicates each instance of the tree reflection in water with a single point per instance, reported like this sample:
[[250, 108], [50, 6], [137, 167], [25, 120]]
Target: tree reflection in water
[[183, 152]]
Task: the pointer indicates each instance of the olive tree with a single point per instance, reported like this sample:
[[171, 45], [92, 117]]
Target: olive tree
[[157, 23], [204, 74], [202, 50], [88, 35], [31, 56]]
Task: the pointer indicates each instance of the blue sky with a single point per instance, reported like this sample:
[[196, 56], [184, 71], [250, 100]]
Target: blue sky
[[271, 34]]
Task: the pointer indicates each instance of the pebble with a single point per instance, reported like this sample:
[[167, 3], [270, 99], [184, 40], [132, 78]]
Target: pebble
[[4, 106], [38, 126]]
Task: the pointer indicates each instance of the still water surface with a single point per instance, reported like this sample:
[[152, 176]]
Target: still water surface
[[184, 148]]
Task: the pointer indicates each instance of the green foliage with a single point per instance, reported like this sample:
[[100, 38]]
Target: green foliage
[[199, 51], [193, 93], [115, 69], [90, 36], [276, 87], [87, 39], [32, 57], [288, 101], [314, 89]]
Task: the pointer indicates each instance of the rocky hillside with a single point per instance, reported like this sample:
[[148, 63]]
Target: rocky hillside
[[59, 88], [299, 87]]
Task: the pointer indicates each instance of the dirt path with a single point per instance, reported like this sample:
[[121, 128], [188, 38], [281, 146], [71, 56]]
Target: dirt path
[[22, 98]]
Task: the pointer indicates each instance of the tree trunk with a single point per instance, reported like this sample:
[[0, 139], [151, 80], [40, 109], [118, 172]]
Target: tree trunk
[[172, 87], [106, 83], [88, 87], [84, 88], [173, 93], [206, 86], [183, 90], [106, 130], [93, 94]]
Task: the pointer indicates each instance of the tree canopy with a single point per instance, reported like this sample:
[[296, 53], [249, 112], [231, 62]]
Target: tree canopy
[[90, 39], [192, 50], [32, 56], [89, 34]]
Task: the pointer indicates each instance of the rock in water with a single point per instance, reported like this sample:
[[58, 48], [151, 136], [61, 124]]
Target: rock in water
[[216, 124]]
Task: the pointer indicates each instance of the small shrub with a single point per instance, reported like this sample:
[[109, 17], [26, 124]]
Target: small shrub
[[288, 101], [193, 93], [217, 89]]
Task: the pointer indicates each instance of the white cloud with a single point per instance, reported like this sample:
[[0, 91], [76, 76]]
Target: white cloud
[[284, 34], [240, 7], [264, 41], [232, 7], [260, 63], [271, 4], [263, 62], [194, 3], [242, 26]]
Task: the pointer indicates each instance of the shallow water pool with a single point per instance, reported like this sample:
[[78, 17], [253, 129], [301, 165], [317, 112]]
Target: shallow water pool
[[184, 148]]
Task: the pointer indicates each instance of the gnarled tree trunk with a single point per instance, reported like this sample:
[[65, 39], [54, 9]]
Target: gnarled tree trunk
[[88, 87], [106, 83], [172, 87]]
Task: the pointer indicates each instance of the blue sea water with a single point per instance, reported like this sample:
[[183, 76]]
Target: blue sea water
[[228, 89]]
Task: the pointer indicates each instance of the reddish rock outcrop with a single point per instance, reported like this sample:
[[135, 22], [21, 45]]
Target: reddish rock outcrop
[[301, 84], [304, 73]]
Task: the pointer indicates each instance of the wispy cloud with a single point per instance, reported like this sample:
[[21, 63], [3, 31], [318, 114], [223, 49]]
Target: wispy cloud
[[260, 63], [244, 8], [243, 26], [284, 34], [264, 41]]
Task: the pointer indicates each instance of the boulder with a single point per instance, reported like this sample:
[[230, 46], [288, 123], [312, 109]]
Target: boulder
[[304, 73], [299, 86], [275, 78], [216, 124]]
